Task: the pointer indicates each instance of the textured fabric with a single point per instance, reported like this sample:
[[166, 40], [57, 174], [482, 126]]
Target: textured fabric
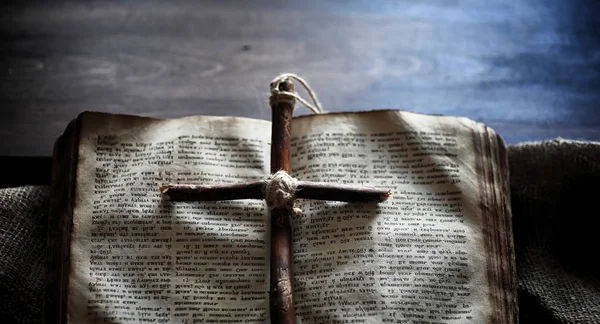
[[555, 199], [23, 215], [555, 196]]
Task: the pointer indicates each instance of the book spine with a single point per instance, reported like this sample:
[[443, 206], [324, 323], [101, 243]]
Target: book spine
[[60, 223]]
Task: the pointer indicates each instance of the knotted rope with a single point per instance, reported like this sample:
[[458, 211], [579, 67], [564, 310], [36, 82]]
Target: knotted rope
[[278, 95], [280, 189]]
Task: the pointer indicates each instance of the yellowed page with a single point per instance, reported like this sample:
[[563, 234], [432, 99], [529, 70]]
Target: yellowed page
[[416, 258], [138, 259]]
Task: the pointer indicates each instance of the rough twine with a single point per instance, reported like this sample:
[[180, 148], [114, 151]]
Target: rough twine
[[278, 95], [280, 189]]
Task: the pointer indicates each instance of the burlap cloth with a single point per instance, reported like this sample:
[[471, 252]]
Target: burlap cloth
[[555, 216]]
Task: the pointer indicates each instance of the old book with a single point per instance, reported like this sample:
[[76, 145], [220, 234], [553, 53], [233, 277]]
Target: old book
[[440, 250]]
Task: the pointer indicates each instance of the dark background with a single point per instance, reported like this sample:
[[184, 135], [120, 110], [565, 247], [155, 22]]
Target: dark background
[[530, 69]]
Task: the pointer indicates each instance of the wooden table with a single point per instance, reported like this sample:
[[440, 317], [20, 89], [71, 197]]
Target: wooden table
[[530, 69]]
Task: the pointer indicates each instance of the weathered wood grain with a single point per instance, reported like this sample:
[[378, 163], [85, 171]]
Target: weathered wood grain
[[256, 190], [281, 300], [530, 69]]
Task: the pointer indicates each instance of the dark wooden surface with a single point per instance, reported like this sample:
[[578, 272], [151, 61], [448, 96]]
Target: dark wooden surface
[[530, 69]]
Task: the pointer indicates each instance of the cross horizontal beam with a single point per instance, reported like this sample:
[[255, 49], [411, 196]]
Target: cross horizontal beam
[[256, 190]]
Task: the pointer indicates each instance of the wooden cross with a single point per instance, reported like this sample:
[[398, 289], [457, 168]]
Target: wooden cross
[[282, 104]]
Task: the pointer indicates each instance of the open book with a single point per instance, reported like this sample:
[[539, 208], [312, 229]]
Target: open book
[[440, 250]]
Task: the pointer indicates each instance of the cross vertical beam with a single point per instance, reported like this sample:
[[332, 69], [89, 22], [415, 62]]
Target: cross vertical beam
[[281, 299]]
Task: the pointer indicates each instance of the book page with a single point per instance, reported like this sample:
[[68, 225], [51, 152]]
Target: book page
[[137, 258], [416, 258]]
